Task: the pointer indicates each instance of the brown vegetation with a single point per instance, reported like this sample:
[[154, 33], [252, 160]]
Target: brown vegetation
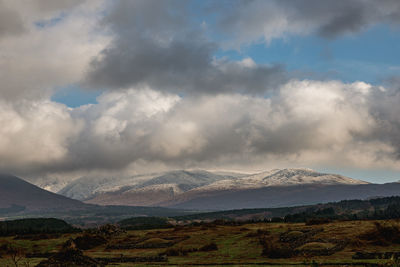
[[383, 234], [345, 242]]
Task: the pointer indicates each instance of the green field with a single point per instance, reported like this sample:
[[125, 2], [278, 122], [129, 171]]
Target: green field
[[331, 244]]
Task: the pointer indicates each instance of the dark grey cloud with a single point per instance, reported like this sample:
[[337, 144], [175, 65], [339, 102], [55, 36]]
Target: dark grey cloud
[[17, 17], [182, 67], [250, 21], [157, 45], [50, 7], [11, 22]]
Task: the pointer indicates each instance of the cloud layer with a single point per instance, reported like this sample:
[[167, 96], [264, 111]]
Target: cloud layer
[[304, 123], [170, 100]]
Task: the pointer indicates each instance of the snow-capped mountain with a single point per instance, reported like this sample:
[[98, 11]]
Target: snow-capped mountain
[[170, 183], [143, 196], [212, 190], [88, 186], [279, 177], [52, 184], [182, 185]]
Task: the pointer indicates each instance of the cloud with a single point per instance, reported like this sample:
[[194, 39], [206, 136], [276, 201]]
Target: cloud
[[39, 59], [252, 21], [10, 22], [34, 135], [305, 123], [166, 46], [170, 102], [158, 46]]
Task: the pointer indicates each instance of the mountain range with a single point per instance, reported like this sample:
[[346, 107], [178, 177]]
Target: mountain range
[[210, 190]]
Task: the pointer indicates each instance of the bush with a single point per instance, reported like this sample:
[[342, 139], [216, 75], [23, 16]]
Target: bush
[[175, 252], [316, 246], [88, 241], [293, 235], [316, 221], [209, 247], [383, 235], [274, 251], [35, 226]]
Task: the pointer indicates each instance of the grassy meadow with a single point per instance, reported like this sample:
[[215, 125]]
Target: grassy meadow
[[339, 243]]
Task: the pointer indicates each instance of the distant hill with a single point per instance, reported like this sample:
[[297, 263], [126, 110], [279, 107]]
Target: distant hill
[[282, 196], [19, 195], [375, 209]]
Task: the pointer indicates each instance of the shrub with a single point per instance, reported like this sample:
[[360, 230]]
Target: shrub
[[275, 251], [35, 226], [293, 235], [316, 246], [316, 221], [88, 241], [382, 235], [144, 223], [175, 252], [209, 247]]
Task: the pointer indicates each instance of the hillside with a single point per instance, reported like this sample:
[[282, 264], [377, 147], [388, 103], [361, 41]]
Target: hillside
[[376, 208], [17, 194], [20, 199], [281, 196]]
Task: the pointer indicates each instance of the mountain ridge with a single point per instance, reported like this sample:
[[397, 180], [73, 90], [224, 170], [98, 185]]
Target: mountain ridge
[[169, 188]]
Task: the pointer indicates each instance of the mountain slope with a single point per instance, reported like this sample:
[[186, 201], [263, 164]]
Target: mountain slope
[[174, 187], [281, 196], [278, 177], [17, 192], [88, 187], [156, 188]]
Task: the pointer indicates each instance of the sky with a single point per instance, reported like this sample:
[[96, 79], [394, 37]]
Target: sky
[[108, 87]]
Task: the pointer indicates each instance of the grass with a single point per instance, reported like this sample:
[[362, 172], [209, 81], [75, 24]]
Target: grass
[[241, 245]]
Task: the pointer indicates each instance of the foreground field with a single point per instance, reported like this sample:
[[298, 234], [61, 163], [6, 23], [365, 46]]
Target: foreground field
[[338, 243]]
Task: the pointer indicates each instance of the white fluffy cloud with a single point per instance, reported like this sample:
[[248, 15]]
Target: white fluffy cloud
[[309, 123], [34, 134], [53, 49]]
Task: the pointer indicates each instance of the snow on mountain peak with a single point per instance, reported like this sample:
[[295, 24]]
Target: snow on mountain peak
[[280, 177], [173, 183]]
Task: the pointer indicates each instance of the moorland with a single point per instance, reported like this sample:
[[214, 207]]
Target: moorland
[[315, 236]]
